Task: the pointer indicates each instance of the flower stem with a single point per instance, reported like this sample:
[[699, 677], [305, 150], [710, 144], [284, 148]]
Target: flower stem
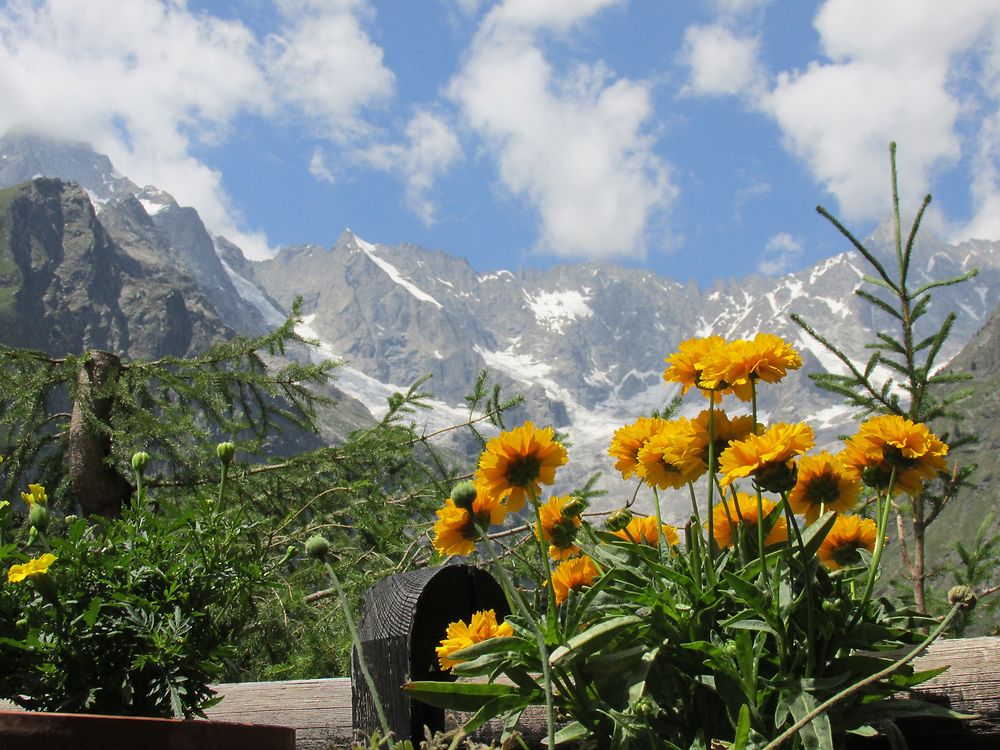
[[514, 596], [883, 521], [870, 680], [356, 640]]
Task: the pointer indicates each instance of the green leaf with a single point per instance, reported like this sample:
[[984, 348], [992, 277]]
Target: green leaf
[[814, 534], [742, 729], [816, 735], [591, 639], [742, 621], [572, 732], [460, 696]]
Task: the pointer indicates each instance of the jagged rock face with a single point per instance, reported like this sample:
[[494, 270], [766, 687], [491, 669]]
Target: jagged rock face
[[67, 286], [586, 343], [24, 157], [153, 225]]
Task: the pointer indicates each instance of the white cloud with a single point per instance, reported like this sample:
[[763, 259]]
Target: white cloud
[[780, 254], [318, 167], [431, 148], [575, 145], [558, 15], [721, 62], [324, 64], [897, 70], [147, 81]]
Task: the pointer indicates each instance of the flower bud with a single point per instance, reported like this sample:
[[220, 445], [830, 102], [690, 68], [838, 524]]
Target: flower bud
[[290, 552], [464, 494], [963, 596], [38, 516], [225, 451], [317, 546], [618, 520], [140, 460], [574, 507], [71, 519]]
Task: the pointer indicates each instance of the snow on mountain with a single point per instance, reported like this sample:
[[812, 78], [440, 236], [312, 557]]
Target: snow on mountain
[[585, 344]]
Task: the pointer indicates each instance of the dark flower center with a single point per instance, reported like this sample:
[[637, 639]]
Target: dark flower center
[[776, 477], [523, 470], [822, 489]]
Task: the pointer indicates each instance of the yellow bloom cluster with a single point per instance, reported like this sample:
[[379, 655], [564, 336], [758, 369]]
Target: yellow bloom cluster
[[512, 467], [718, 367], [482, 626]]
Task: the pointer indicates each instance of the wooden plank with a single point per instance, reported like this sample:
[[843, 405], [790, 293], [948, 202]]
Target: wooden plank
[[320, 710]]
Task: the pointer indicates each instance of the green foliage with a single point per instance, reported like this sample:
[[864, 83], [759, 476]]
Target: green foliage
[[173, 407], [137, 615]]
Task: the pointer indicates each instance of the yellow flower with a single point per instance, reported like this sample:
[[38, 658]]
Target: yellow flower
[[889, 441], [629, 440], [557, 529], [847, 535], [728, 517], [667, 459], [34, 567], [481, 627], [35, 494], [725, 431], [643, 531], [739, 364], [767, 457], [685, 364], [455, 531], [517, 462], [574, 574], [822, 483]]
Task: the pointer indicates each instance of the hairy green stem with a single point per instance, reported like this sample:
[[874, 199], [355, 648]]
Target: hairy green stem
[[356, 640], [883, 522], [514, 596]]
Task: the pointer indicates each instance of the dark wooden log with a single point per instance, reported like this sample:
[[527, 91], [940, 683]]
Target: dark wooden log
[[405, 617], [99, 488]]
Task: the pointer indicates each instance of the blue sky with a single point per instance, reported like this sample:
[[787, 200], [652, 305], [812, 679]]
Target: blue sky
[[691, 138]]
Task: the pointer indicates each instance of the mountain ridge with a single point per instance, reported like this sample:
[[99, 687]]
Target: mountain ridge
[[585, 343]]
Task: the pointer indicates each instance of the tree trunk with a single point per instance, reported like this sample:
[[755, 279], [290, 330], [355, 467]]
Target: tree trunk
[[99, 487]]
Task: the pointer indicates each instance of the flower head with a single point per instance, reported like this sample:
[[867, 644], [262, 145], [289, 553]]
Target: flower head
[[685, 364], [516, 463], [724, 432], [455, 531], [728, 517], [629, 440], [575, 574], [740, 364], [823, 484], [34, 567], [767, 457], [558, 528], [643, 531], [35, 495], [890, 442], [482, 626], [667, 459], [847, 535]]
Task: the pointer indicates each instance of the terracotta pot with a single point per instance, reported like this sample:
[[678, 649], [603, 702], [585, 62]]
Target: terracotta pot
[[31, 730]]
